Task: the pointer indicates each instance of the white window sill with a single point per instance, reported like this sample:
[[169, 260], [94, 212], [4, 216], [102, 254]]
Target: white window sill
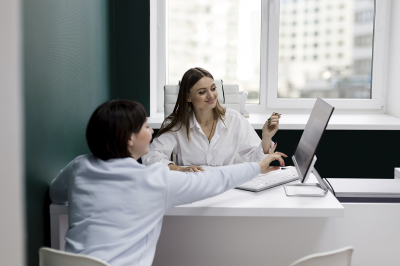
[[298, 121]]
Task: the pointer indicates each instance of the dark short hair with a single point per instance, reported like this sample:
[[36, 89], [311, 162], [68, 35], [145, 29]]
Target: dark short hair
[[111, 126]]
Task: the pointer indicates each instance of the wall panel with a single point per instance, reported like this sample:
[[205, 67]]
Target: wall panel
[[66, 78]]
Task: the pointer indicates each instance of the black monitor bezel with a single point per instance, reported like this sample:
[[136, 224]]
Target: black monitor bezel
[[303, 178]]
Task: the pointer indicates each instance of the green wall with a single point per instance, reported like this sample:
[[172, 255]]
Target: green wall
[[130, 42], [66, 78], [77, 54]]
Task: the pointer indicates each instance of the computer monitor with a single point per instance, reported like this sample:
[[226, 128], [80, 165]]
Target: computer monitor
[[304, 157]]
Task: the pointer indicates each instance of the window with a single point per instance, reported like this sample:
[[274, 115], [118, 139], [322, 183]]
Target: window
[[326, 77], [362, 66], [364, 16], [363, 41], [281, 66], [200, 35], [343, 70]]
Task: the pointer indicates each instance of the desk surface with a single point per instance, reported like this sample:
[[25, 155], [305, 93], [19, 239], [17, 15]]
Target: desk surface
[[268, 203]]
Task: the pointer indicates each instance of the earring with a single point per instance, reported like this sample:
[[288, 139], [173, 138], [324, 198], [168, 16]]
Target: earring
[[189, 108]]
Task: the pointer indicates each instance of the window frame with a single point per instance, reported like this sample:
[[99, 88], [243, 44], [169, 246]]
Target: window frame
[[269, 62]]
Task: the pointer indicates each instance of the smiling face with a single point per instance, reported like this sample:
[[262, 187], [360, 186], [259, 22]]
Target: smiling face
[[203, 95]]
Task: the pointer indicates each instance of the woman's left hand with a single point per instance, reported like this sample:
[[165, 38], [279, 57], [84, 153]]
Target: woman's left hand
[[271, 126]]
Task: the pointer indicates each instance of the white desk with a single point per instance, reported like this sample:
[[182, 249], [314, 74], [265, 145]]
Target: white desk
[[268, 228], [268, 203]]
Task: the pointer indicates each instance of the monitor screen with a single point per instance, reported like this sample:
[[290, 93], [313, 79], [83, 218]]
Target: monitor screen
[[312, 134]]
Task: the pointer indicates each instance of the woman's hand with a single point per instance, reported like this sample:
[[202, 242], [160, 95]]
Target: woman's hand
[[193, 168], [271, 126], [272, 156], [273, 152]]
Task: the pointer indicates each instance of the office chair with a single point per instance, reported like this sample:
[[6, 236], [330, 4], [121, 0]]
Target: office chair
[[339, 257], [52, 257]]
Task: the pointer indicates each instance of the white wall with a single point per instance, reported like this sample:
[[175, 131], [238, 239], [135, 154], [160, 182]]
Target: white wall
[[393, 83], [12, 240]]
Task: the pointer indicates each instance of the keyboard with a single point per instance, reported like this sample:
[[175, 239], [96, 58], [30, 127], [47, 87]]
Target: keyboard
[[272, 179]]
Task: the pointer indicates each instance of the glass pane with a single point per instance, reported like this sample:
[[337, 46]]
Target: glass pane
[[325, 48], [220, 36]]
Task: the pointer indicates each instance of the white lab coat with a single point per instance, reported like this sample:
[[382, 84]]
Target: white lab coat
[[236, 136], [116, 207]]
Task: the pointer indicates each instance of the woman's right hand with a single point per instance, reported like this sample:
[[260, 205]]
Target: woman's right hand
[[272, 156], [264, 164], [193, 168]]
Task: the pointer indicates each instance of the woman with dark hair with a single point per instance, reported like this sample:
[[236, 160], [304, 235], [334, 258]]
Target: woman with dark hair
[[201, 132], [116, 205]]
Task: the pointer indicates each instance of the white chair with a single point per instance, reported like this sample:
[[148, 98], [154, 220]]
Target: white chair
[[339, 257], [52, 257], [228, 96]]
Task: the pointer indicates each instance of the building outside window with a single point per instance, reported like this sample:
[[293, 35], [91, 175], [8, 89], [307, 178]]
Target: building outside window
[[331, 58], [226, 32], [348, 75]]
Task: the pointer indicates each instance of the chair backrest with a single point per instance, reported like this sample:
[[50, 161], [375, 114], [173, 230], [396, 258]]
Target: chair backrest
[[231, 94], [228, 96], [339, 257], [52, 257]]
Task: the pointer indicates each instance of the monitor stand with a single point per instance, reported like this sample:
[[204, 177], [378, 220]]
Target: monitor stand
[[307, 189]]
